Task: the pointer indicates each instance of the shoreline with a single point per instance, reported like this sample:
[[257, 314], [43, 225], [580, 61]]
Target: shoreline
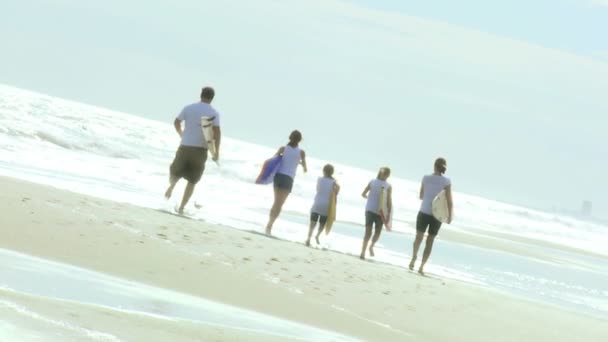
[[331, 291]]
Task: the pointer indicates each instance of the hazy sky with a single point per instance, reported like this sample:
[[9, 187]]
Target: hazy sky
[[514, 94]]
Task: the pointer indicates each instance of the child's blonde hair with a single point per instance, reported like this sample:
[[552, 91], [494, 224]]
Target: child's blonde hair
[[384, 171]]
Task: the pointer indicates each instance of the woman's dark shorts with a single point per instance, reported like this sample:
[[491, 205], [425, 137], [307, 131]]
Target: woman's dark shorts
[[425, 220], [372, 218], [282, 181], [315, 217], [189, 163]]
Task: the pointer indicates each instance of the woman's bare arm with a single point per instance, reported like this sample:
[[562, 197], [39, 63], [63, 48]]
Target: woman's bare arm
[[280, 151], [303, 160]]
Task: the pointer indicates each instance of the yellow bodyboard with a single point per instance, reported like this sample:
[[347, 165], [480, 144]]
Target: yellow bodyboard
[[331, 212], [381, 200]]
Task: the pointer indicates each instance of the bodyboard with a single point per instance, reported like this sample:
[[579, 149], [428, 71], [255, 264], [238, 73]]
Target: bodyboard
[[208, 135], [440, 207], [385, 213], [331, 211], [269, 169]]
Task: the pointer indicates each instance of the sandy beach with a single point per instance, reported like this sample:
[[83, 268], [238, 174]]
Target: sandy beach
[[331, 291]]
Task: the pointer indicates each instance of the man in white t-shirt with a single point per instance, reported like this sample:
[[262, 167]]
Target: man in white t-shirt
[[190, 158]]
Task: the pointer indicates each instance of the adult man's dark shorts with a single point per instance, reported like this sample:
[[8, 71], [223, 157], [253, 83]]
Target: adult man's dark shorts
[[189, 163]]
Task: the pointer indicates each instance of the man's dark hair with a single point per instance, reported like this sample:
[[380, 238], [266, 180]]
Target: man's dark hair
[[207, 93]]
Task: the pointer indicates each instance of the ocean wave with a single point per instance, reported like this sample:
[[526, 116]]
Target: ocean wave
[[135, 149]]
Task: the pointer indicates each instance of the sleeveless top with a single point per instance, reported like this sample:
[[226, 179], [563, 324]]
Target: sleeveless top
[[290, 161]]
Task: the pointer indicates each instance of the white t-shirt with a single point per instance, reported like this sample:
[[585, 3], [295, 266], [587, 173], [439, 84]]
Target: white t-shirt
[[192, 115], [325, 186], [432, 185], [373, 198], [290, 161]]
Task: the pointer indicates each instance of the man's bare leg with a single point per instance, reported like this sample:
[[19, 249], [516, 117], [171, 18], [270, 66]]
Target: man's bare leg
[[427, 252], [417, 243], [187, 194], [172, 182]]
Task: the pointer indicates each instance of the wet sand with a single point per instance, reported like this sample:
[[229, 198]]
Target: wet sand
[[331, 291]]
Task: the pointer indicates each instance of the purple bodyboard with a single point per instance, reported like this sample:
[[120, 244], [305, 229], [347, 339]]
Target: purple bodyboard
[[269, 169]]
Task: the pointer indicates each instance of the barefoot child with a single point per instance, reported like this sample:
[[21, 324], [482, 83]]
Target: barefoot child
[[326, 187], [373, 219]]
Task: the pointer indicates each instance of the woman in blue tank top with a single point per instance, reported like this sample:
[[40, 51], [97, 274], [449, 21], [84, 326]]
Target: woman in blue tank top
[[291, 157]]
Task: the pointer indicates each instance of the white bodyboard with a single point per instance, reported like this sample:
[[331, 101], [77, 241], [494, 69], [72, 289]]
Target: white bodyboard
[[385, 214], [440, 207], [207, 127]]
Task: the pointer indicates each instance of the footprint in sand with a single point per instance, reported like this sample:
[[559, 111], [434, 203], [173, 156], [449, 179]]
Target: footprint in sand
[[162, 236]]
